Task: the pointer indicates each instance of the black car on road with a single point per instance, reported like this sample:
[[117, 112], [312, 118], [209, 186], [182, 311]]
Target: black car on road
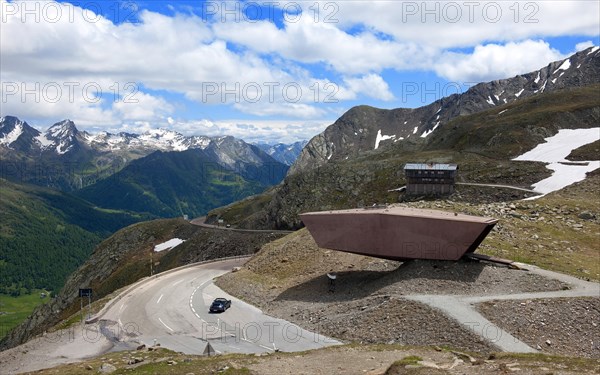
[[220, 305]]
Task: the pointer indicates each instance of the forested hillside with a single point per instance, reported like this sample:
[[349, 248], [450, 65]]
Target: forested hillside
[[171, 184], [45, 235]]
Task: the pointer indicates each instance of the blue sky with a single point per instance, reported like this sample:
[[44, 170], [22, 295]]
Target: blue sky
[[266, 71]]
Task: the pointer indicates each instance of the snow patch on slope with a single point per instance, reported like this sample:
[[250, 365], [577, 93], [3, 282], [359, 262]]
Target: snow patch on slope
[[426, 133], [564, 66], [168, 245], [381, 137], [43, 141], [519, 93], [13, 135], [554, 151], [63, 148]]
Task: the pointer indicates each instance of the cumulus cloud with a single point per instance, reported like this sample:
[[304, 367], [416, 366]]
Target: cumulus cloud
[[583, 45], [455, 24], [495, 61], [320, 42], [371, 85], [270, 131], [345, 51]]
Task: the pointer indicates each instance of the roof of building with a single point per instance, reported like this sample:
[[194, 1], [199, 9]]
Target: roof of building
[[431, 166]]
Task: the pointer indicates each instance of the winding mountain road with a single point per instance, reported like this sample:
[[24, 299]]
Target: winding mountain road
[[172, 309], [200, 221]]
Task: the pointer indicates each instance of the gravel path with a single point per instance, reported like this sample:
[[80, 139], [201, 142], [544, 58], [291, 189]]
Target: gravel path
[[474, 322]]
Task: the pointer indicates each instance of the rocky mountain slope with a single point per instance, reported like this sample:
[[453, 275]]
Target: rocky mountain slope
[[483, 144], [125, 257], [68, 159], [366, 128]]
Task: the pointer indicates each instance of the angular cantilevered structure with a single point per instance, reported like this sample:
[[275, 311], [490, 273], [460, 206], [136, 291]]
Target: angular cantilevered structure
[[398, 233]]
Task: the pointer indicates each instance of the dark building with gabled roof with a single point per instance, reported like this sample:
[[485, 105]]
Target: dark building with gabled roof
[[430, 178]]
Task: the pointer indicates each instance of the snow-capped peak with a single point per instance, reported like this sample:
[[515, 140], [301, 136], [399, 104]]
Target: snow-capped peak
[[63, 129], [11, 135], [154, 139]]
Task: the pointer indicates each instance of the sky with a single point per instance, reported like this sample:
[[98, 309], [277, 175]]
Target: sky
[[265, 71]]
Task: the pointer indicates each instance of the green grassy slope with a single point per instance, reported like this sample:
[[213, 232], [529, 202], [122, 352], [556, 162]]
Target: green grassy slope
[[14, 309]]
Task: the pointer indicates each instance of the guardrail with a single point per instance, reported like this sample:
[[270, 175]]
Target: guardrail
[[239, 230], [136, 284]]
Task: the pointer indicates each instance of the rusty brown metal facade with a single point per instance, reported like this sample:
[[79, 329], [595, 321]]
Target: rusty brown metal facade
[[398, 233]]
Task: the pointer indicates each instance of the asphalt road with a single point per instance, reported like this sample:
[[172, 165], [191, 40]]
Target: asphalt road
[[172, 310], [200, 221]]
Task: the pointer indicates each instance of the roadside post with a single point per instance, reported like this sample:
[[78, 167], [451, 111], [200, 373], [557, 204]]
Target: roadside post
[[85, 292]]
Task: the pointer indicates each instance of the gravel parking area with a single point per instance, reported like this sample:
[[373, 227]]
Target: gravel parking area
[[288, 279], [567, 326], [388, 320]]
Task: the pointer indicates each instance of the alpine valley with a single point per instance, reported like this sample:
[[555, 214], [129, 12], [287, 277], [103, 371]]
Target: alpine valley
[[63, 190], [83, 189]]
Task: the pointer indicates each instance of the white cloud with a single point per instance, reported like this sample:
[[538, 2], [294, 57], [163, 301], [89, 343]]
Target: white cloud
[[583, 45], [254, 130], [211, 62], [454, 24], [494, 61], [176, 54], [141, 106], [371, 85], [320, 42]]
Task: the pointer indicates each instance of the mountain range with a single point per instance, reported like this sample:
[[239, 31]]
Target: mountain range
[[191, 182], [90, 185], [358, 160], [366, 128], [68, 159], [284, 153]]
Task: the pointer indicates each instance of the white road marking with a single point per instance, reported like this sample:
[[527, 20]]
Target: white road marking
[[122, 307], [163, 323], [262, 346], [159, 298], [177, 282]]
